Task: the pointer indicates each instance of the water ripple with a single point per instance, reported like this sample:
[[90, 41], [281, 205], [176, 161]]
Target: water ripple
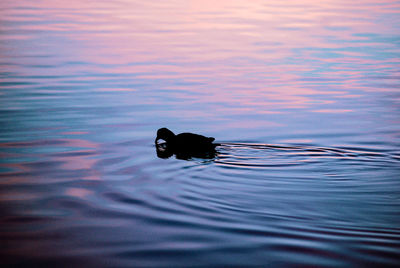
[[308, 90]]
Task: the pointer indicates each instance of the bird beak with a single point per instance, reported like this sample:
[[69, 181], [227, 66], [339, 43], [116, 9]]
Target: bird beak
[[157, 139]]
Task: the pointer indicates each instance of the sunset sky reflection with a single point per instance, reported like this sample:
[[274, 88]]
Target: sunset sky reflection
[[302, 97]]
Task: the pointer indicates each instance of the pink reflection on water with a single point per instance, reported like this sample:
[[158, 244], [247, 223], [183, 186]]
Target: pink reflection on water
[[241, 54], [51, 165], [78, 192], [332, 111], [74, 133]]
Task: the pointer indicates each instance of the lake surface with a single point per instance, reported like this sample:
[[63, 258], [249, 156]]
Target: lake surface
[[304, 98]]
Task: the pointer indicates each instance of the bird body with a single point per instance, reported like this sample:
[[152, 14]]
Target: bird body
[[192, 142]]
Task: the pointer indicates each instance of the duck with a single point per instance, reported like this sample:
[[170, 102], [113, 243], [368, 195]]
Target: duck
[[184, 145]]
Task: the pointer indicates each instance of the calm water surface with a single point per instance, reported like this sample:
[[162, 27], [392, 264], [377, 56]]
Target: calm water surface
[[303, 96]]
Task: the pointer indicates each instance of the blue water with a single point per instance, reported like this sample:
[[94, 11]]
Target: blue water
[[303, 97]]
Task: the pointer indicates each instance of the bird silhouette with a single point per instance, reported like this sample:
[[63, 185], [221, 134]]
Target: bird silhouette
[[184, 145]]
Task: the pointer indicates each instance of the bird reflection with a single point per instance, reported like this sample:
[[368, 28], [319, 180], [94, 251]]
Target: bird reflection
[[164, 151], [185, 145]]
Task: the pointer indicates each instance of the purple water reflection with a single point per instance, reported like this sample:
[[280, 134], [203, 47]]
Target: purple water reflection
[[303, 96]]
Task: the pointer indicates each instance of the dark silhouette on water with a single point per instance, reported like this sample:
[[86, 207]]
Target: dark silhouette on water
[[184, 145]]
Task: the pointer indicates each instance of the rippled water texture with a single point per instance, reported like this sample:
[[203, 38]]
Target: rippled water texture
[[304, 97]]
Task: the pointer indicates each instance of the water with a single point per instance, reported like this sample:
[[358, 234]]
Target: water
[[303, 96]]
